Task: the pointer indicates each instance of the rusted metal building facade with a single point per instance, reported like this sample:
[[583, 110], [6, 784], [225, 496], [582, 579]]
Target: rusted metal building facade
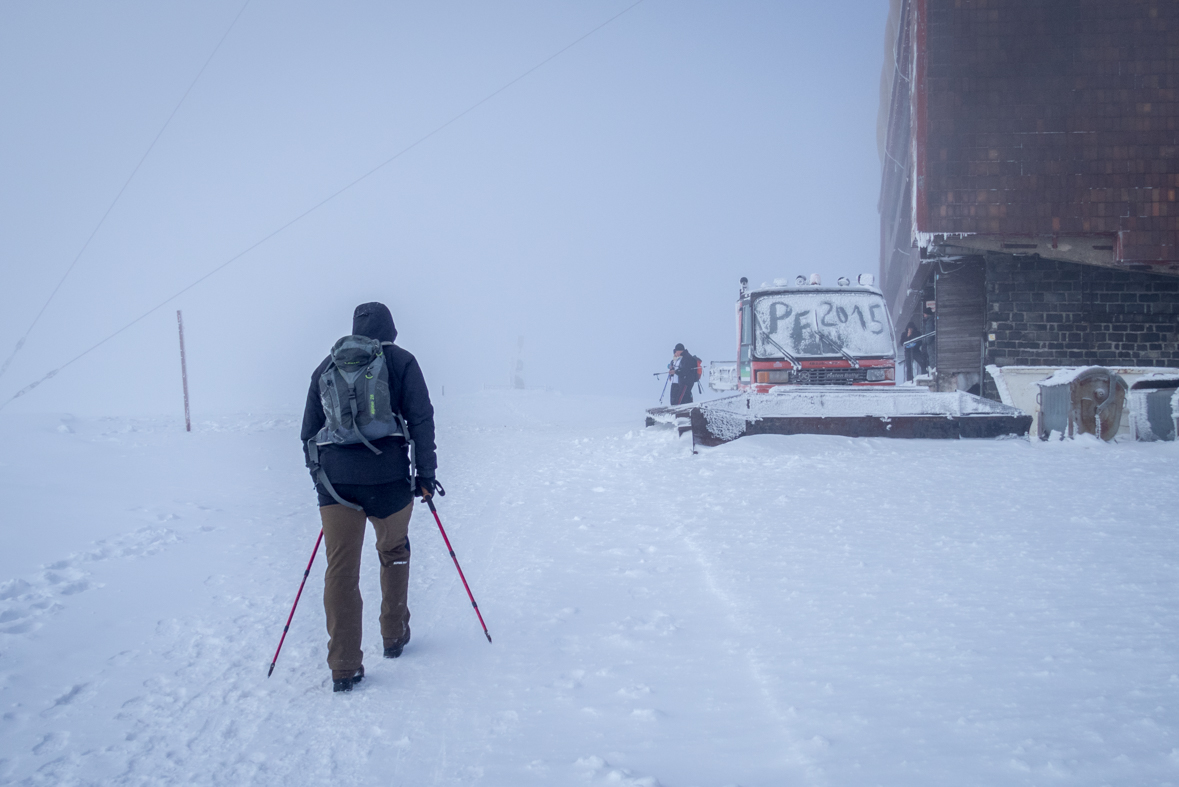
[[1030, 188]]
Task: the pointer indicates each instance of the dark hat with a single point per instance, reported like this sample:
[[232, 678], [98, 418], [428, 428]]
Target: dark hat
[[678, 347], [374, 321]]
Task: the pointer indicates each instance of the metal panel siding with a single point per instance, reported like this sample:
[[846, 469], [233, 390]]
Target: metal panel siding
[[961, 312], [920, 118], [1055, 404], [900, 260], [1159, 415]]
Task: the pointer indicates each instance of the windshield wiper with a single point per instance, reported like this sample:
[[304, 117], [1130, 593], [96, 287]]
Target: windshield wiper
[[839, 347], [851, 358], [766, 335]]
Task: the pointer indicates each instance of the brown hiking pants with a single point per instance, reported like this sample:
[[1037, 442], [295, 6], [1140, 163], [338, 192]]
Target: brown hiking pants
[[343, 540]]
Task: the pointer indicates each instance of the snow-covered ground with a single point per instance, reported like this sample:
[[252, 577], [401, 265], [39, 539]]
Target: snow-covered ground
[[779, 610]]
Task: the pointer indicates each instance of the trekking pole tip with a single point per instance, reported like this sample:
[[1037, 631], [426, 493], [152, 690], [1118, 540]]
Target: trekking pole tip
[[488, 637], [270, 671]]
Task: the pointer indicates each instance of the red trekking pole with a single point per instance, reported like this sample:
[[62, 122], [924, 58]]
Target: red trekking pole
[[434, 511], [292, 615]]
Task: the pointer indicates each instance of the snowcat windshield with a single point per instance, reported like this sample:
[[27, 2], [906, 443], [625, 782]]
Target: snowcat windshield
[[809, 324]]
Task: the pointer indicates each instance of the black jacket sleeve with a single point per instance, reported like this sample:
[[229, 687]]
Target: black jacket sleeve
[[313, 418], [418, 412]]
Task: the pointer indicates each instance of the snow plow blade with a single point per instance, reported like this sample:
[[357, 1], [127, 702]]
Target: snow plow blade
[[903, 412]]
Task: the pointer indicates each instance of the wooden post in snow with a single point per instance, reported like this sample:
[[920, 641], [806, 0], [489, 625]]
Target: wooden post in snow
[[183, 372]]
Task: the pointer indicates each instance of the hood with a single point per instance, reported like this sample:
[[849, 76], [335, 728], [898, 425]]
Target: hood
[[374, 321]]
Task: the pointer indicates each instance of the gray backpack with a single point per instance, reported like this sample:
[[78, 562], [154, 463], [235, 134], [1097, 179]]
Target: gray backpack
[[357, 406], [354, 391]]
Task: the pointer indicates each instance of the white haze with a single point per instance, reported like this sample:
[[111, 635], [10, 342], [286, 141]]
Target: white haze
[[603, 207]]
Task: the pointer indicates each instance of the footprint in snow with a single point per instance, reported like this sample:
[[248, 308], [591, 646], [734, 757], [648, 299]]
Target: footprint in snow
[[598, 771], [23, 602], [52, 742], [77, 693]]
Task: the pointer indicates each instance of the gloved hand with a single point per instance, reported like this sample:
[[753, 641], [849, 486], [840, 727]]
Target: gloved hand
[[427, 486]]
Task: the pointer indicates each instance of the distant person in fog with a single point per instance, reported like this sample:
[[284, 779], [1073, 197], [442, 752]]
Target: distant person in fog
[[683, 375], [929, 343], [916, 361]]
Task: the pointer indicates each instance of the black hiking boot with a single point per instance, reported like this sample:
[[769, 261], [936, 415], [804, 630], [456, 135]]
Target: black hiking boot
[[394, 650], [346, 683]]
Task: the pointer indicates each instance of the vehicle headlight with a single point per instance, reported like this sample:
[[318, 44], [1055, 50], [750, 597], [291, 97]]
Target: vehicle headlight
[[876, 375]]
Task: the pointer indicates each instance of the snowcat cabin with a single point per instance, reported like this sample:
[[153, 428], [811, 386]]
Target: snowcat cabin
[[809, 334]]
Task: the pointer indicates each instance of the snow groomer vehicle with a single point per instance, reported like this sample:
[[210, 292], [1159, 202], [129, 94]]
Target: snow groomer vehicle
[[815, 359], [808, 334]]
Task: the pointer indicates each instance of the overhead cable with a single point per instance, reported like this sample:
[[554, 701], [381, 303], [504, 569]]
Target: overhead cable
[[52, 373], [21, 341]]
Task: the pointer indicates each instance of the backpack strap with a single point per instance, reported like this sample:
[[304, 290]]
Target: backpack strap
[[355, 425], [413, 449], [321, 476]]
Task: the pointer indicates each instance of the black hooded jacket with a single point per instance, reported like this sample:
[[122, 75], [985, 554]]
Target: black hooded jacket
[[356, 464]]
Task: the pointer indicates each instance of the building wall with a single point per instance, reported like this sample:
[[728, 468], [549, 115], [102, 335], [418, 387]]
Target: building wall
[[1047, 126], [1050, 117], [900, 259], [1049, 313]]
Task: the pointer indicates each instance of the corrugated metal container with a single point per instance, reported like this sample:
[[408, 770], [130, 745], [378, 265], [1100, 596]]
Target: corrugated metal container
[[1088, 400], [1017, 386], [1152, 407]]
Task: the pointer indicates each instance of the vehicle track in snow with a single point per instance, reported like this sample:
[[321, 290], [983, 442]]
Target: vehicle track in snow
[[781, 610]]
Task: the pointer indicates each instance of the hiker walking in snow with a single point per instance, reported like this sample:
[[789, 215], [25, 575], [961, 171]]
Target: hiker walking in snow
[[368, 417], [682, 371]]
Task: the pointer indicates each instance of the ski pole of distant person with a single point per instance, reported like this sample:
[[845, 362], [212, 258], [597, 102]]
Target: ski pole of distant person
[[291, 616]]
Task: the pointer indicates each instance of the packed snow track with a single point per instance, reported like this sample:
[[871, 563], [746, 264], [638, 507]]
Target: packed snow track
[[779, 610]]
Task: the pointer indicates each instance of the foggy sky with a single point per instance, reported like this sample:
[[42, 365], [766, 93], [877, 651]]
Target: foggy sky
[[603, 207]]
